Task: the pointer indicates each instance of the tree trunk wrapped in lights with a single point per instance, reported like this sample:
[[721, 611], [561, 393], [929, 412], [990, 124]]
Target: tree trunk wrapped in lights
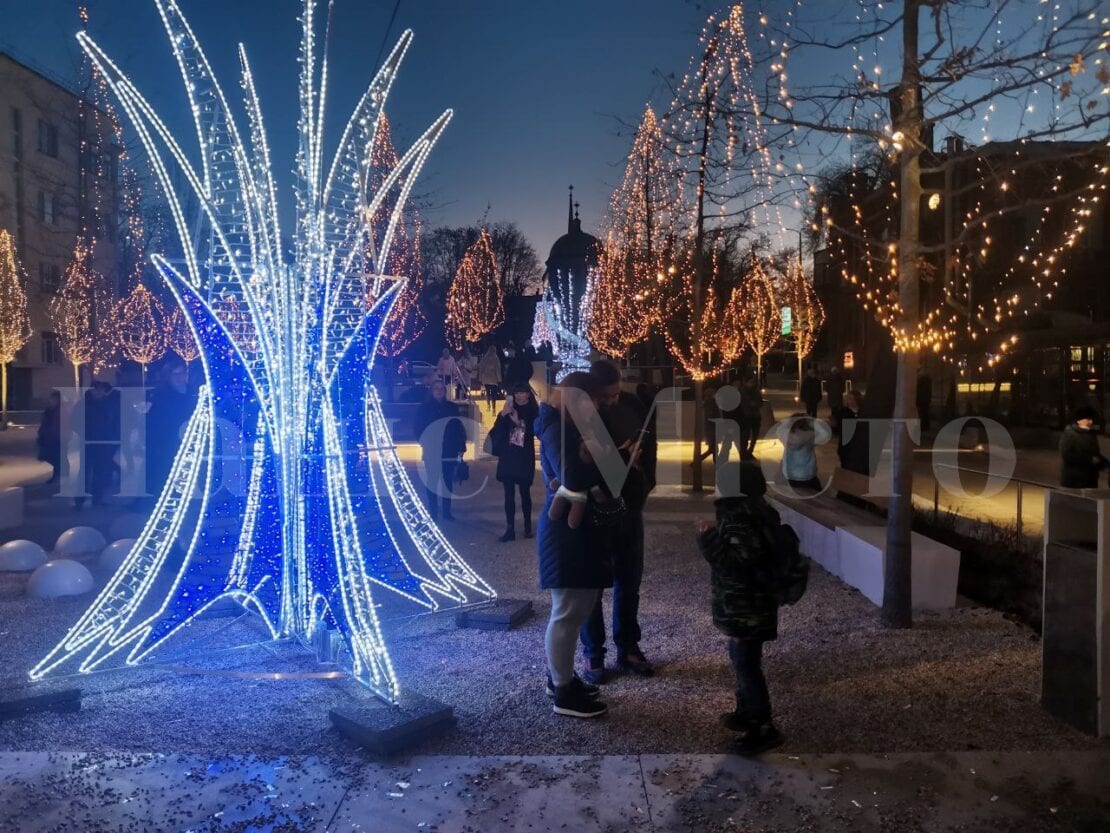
[[140, 324], [81, 314], [406, 321], [719, 140], [758, 313], [15, 323], [807, 315], [475, 304], [636, 232]]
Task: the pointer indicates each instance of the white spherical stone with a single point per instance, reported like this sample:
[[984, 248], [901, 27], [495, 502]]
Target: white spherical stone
[[21, 556], [127, 525], [78, 542], [60, 577], [115, 553]]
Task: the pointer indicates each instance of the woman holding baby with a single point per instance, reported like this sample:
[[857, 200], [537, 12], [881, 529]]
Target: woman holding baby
[[574, 557]]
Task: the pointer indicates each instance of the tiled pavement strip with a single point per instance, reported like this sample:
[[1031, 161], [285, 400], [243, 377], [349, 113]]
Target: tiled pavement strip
[[968, 791]]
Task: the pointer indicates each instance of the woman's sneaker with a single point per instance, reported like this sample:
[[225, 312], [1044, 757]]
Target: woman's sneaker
[[585, 688], [570, 700], [593, 672]]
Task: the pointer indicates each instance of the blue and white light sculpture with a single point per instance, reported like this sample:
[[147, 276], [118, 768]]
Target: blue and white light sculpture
[[563, 317], [316, 531]]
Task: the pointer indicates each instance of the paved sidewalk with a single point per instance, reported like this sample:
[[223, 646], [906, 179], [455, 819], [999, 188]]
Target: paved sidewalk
[[971, 791]]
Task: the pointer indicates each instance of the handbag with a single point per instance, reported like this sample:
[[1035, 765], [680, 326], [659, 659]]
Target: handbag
[[462, 471]]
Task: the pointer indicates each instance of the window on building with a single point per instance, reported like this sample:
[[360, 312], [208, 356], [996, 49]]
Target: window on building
[[50, 278], [50, 352], [48, 138], [47, 209]]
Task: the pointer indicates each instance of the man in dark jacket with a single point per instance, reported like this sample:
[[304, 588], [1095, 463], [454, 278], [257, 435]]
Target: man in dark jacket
[[751, 416], [171, 406], [810, 393], [627, 423], [1081, 459], [740, 551]]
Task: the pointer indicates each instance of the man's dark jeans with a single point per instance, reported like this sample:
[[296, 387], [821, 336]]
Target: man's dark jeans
[[628, 572], [753, 702]]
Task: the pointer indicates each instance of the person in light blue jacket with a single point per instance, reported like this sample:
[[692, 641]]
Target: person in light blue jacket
[[799, 437]]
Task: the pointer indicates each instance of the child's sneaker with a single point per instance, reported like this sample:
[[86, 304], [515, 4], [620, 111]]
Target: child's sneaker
[[758, 739], [570, 700], [594, 672], [585, 688]]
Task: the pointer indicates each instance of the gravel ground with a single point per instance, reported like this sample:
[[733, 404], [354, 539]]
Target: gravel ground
[[964, 679]]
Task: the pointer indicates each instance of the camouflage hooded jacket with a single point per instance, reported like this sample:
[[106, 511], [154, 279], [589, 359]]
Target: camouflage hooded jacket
[[738, 552]]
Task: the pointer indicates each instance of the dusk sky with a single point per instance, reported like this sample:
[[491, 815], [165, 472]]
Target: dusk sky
[[537, 87]]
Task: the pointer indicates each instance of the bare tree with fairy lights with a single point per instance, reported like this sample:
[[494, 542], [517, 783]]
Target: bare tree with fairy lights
[[914, 229]]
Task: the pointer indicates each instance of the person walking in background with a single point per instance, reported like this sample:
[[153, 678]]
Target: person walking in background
[[575, 562], [513, 442], [49, 439], [745, 607], [1081, 458], [834, 390], [442, 443], [923, 398], [750, 417], [518, 370], [626, 421], [489, 375], [799, 456], [810, 394], [447, 369]]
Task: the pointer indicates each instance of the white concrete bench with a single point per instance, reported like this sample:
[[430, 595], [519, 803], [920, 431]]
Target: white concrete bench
[[935, 568], [11, 507], [849, 542]]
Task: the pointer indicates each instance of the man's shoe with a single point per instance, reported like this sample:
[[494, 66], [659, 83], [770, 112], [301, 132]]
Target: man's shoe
[[758, 739], [510, 535], [585, 688], [637, 663], [572, 702], [594, 672], [735, 722]]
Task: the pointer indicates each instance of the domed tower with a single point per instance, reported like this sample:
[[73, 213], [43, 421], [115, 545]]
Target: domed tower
[[564, 313]]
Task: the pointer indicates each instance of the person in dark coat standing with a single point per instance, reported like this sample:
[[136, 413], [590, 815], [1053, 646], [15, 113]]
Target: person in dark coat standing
[[575, 563], [49, 439], [853, 446], [514, 443], [750, 416], [442, 443], [628, 426], [171, 406], [1081, 459], [745, 607], [99, 417], [923, 399], [810, 394]]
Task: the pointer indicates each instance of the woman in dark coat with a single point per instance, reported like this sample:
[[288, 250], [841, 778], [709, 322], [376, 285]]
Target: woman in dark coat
[[50, 435], [514, 443], [574, 562]]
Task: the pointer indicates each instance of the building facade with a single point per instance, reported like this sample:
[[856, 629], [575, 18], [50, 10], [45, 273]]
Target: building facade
[[48, 181]]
